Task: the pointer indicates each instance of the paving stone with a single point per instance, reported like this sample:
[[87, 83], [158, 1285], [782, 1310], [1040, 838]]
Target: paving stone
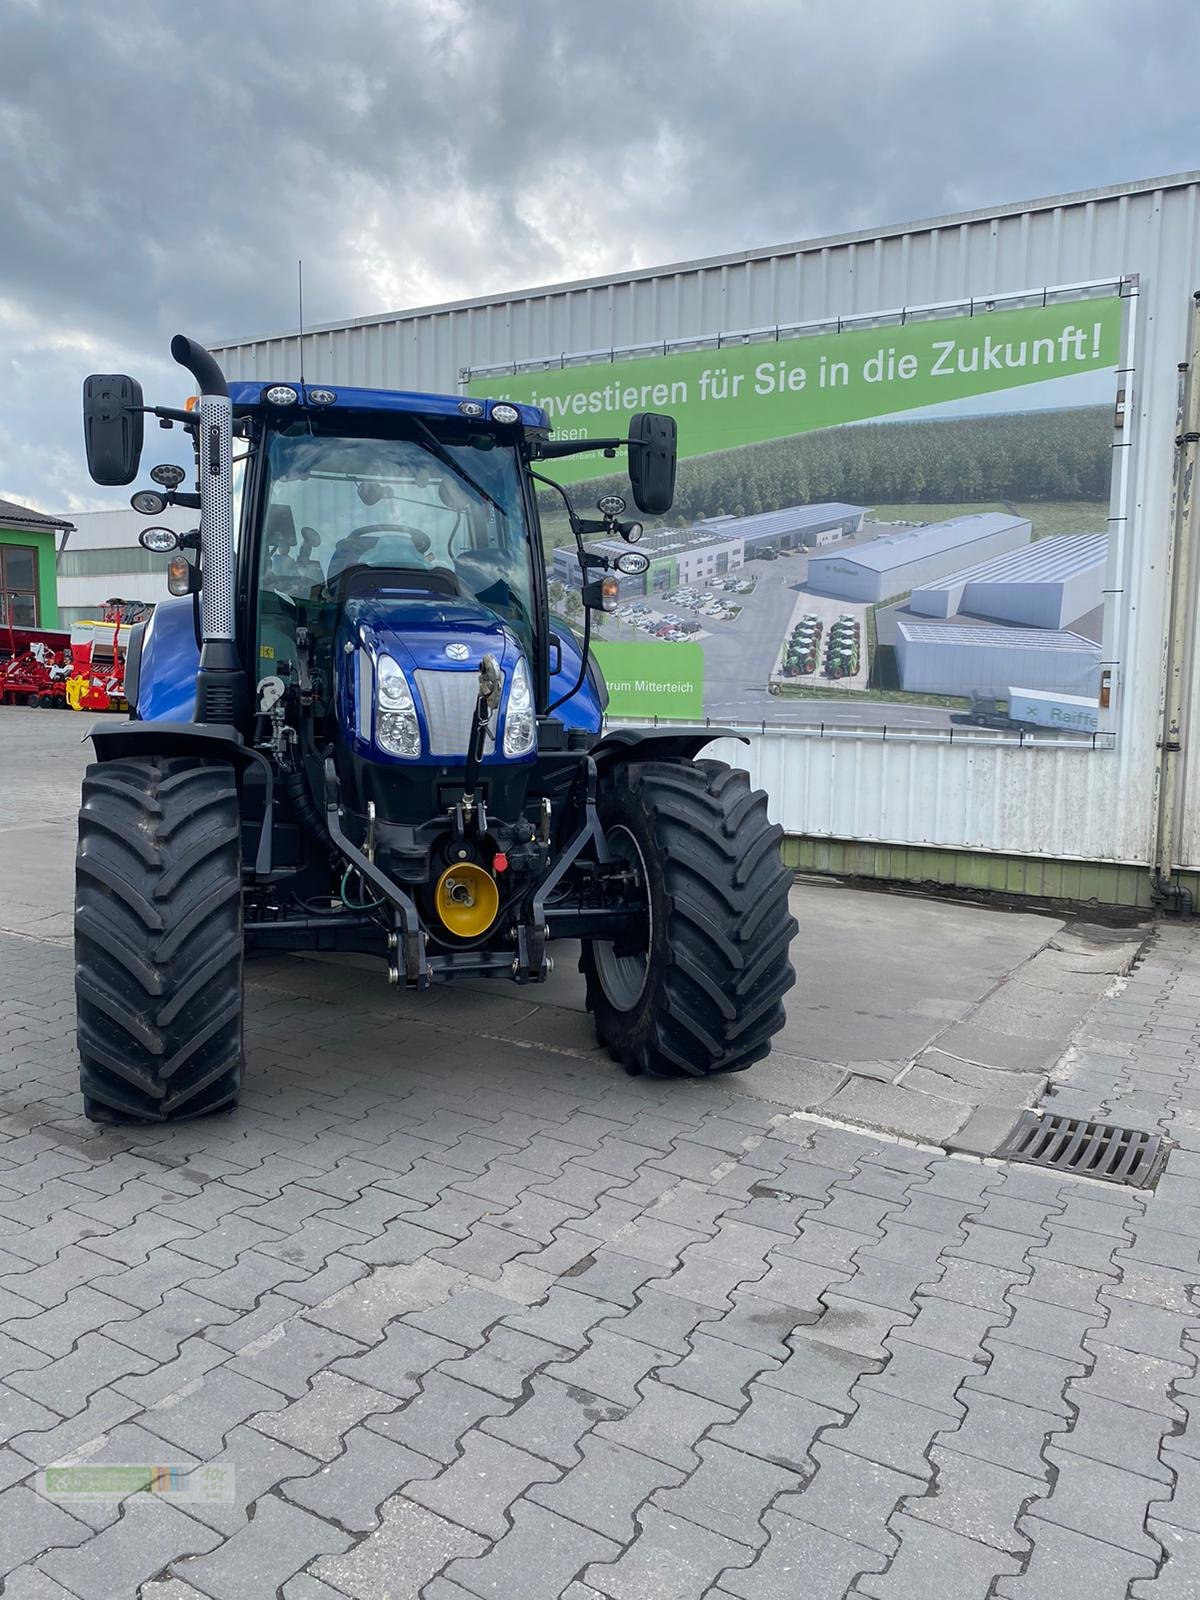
[[608, 1275], [198, 1419], [1132, 1379], [1080, 1247], [29, 1583], [897, 1109], [729, 1492], [364, 1309], [1120, 1435], [1063, 1565], [317, 1422], [397, 1364], [239, 1287], [977, 1499], [665, 1423], [162, 1333], [800, 1559], [67, 1384], [55, 1330], [258, 1463], [1052, 1329], [1005, 1433], [49, 1285], [287, 1358], [478, 1489], [995, 1247], [1030, 1377], [505, 1363], [536, 1559], [671, 1556], [1103, 1502], [664, 1321], [606, 1487], [551, 1421], [895, 1433], [778, 1427], [926, 1376], [854, 1325], [612, 1367], [718, 1370], [937, 1564], [466, 1317], [29, 1525], [816, 1371], [45, 1444], [151, 1533], [1145, 1329], [1179, 1578], [265, 1553], [850, 1496], [956, 1330], [350, 1489]]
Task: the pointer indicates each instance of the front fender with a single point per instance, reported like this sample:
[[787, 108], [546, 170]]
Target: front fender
[[167, 663]]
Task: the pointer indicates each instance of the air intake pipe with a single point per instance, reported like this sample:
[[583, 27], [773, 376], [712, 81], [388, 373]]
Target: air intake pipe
[[222, 695]]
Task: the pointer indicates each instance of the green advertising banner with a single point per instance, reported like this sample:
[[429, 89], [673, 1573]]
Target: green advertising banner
[[745, 394], [653, 680], [899, 526]]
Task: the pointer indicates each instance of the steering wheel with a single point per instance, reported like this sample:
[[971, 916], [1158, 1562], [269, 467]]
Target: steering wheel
[[418, 536]]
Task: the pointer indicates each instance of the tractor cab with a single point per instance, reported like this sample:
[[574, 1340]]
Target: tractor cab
[[356, 727]]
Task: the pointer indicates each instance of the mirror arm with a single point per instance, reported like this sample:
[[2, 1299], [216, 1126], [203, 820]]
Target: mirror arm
[[550, 449]]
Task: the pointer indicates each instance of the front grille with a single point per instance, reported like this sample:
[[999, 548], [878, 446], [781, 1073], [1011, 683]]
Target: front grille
[[449, 701]]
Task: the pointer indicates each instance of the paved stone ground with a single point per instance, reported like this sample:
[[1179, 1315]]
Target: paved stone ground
[[477, 1318]]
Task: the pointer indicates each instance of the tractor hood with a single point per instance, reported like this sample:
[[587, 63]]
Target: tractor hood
[[439, 644], [425, 635]]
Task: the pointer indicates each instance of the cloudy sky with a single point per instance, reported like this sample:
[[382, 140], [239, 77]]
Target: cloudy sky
[[163, 166]]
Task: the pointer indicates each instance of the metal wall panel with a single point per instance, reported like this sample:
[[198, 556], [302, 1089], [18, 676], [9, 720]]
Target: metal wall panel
[[1093, 804]]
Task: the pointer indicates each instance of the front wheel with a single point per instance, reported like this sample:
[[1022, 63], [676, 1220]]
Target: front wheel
[[700, 991], [158, 940]]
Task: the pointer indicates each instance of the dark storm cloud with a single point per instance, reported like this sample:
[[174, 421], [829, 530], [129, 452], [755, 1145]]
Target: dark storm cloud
[[163, 167]]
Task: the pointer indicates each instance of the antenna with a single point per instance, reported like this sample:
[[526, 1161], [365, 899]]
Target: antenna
[[300, 293]]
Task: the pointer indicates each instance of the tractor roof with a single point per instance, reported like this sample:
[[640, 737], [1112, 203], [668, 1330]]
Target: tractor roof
[[252, 396]]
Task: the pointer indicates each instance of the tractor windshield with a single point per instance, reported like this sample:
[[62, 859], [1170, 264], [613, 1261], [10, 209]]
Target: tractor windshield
[[334, 502]]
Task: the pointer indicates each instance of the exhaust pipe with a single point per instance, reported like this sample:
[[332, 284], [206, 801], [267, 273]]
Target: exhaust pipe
[[222, 695]]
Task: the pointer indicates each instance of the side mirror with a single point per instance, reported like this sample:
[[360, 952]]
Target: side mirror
[[112, 427], [652, 451]]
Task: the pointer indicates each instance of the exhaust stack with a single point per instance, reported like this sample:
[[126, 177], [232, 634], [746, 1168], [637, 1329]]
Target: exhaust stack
[[221, 692]]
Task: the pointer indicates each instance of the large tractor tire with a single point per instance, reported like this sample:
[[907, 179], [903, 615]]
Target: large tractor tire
[[704, 993], [158, 940]]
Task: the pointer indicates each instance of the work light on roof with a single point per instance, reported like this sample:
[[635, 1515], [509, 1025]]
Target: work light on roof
[[161, 540], [505, 413], [470, 408], [281, 394], [321, 397], [149, 502]]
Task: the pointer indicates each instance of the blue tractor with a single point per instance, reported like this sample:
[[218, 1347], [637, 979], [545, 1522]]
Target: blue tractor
[[358, 727]]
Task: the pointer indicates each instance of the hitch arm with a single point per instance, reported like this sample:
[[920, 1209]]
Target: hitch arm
[[410, 934]]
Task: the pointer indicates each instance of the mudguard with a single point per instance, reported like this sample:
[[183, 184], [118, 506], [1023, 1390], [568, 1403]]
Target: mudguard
[[622, 745]]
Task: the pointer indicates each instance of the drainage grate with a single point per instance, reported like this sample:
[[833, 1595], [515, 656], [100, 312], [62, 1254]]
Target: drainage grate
[[1088, 1149]]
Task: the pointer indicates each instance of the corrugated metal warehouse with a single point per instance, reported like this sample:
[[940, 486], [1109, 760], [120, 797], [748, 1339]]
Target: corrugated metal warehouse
[[1050, 584], [963, 660], [897, 562], [101, 559], [793, 527], [917, 799]]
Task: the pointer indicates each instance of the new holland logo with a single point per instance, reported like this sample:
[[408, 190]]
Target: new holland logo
[[458, 652]]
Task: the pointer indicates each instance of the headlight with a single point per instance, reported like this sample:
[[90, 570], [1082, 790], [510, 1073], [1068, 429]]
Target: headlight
[[396, 727], [520, 723]]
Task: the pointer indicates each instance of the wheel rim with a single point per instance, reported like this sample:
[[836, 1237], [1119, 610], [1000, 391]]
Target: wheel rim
[[623, 977]]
